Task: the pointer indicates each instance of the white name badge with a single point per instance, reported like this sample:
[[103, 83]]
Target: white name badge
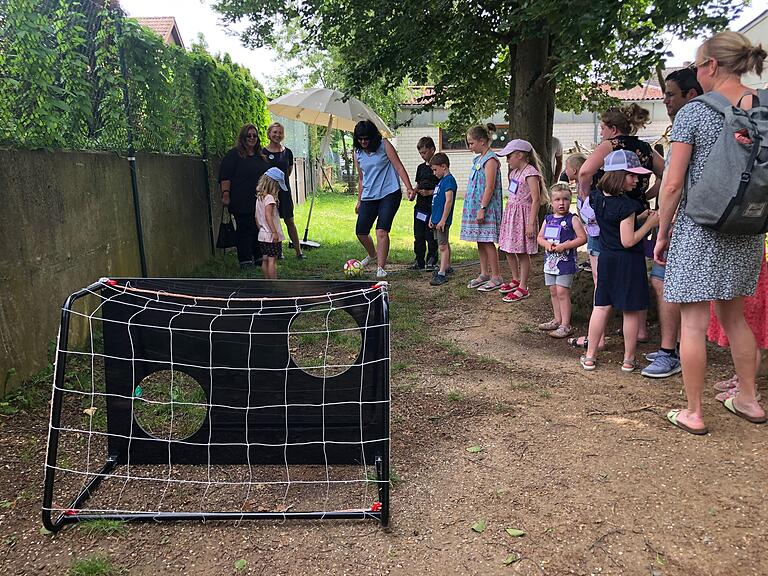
[[513, 186], [421, 216], [552, 232]]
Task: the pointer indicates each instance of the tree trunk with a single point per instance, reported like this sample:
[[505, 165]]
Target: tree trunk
[[532, 98]]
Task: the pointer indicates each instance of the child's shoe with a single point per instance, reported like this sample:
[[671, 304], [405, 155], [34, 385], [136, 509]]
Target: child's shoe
[[517, 295], [438, 280], [365, 261], [508, 287], [551, 325], [381, 273], [561, 332], [725, 385]]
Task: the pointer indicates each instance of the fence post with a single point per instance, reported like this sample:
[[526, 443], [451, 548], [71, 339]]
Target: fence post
[[131, 150]]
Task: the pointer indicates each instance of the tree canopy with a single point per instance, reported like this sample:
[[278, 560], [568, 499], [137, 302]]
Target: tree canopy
[[481, 56]]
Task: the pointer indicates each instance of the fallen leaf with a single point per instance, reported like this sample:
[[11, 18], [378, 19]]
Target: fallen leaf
[[45, 532], [479, 526], [511, 559], [240, 565], [475, 449], [515, 533], [90, 411]]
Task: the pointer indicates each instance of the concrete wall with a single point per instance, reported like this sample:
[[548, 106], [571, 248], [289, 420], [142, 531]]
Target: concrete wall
[[67, 219]]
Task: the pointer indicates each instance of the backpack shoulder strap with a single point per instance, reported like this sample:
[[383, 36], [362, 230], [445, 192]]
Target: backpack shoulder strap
[[716, 101]]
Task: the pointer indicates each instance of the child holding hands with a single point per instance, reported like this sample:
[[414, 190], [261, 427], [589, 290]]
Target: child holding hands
[[622, 282], [268, 221], [561, 233], [442, 213]]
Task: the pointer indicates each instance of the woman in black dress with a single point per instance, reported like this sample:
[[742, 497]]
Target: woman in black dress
[[239, 173], [281, 157]]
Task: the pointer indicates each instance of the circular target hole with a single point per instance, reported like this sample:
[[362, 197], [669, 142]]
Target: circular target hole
[[325, 342], [170, 404]]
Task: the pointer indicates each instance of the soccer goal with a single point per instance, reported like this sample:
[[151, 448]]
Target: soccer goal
[[220, 400]]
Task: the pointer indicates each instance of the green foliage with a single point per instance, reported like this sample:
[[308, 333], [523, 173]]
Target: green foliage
[[104, 527], [94, 566], [62, 86]]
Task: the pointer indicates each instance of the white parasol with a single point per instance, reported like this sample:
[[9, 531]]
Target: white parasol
[[325, 107]]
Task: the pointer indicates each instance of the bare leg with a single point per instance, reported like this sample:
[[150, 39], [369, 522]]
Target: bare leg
[[593, 265], [597, 324], [694, 320], [642, 325], [269, 267], [743, 351], [630, 328], [293, 234], [484, 265], [445, 257], [524, 261], [514, 267], [491, 258], [367, 243], [564, 298], [669, 316], [555, 304], [382, 247]]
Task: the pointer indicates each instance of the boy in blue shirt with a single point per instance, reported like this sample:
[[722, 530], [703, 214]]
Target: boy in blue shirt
[[442, 213]]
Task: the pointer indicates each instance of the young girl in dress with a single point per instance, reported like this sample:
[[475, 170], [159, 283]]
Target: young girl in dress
[[560, 235], [268, 221], [622, 282], [519, 224], [481, 217]]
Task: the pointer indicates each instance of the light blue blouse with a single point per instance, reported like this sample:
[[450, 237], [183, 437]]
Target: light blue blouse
[[379, 176]]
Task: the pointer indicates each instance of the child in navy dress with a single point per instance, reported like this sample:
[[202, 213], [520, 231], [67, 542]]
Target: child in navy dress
[[622, 282], [560, 235]]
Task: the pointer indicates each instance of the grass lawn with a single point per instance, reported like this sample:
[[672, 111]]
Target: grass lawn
[[333, 225]]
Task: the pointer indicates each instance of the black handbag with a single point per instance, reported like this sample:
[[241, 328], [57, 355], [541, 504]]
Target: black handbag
[[226, 237]]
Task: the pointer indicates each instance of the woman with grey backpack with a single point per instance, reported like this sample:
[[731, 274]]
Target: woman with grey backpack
[[704, 262]]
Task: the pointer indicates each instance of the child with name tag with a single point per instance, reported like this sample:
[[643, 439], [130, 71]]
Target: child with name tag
[[424, 243], [560, 235], [519, 224], [622, 282], [442, 213]]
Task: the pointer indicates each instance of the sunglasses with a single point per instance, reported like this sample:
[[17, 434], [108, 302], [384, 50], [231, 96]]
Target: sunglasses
[[694, 65], [252, 136], [363, 139]]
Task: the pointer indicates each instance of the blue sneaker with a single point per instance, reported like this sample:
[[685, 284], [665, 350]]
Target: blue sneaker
[[663, 365], [651, 356]]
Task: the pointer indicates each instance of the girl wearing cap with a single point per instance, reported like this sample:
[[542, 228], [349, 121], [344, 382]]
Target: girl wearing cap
[[519, 224], [268, 220], [481, 217], [622, 282]]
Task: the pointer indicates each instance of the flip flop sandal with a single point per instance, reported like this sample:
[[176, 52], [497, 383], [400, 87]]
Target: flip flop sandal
[[489, 286], [517, 295], [754, 419], [629, 365], [672, 416], [588, 363], [574, 342], [725, 385], [479, 281], [508, 287]]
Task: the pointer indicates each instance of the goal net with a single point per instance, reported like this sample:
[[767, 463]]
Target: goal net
[[220, 399]]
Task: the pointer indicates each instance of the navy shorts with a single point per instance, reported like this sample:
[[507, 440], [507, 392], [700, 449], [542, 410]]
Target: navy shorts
[[381, 211]]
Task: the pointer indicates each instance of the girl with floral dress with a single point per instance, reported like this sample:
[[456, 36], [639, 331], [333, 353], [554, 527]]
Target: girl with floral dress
[[481, 217], [519, 225]]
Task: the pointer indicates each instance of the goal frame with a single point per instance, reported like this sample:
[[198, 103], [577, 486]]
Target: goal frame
[[274, 289]]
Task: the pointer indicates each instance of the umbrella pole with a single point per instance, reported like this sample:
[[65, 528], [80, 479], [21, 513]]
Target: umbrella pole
[[326, 144]]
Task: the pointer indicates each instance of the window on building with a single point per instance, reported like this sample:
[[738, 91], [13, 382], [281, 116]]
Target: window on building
[[450, 140]]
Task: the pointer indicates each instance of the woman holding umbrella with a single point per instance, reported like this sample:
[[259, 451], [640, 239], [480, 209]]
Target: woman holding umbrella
[[379, 194], [239, 173]]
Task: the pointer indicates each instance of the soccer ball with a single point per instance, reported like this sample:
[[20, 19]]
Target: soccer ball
[[353, 268]]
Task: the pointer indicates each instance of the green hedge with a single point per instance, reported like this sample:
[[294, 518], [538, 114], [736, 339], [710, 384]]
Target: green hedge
[[61, 84]]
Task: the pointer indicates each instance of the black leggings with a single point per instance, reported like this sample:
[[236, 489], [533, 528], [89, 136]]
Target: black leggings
[[247, 237]]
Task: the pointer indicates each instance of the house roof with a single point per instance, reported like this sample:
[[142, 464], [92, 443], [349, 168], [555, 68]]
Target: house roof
[[760, 17], [650, 91], [165, 27]]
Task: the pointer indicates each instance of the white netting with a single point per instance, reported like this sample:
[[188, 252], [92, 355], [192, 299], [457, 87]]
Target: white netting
[[220, 402]]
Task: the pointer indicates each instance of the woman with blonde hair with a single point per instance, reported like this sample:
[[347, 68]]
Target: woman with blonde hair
[[704, 265]]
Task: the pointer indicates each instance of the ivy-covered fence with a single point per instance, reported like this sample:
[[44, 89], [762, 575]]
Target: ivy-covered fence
[[62, 85]]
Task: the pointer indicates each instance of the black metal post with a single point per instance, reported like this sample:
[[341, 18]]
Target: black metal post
[[131, 150]]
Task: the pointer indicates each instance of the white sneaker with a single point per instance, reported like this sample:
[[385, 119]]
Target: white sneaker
[[381, 273], [365, 261]]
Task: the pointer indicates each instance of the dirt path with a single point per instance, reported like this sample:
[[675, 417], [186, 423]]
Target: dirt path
[[583, 463]]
